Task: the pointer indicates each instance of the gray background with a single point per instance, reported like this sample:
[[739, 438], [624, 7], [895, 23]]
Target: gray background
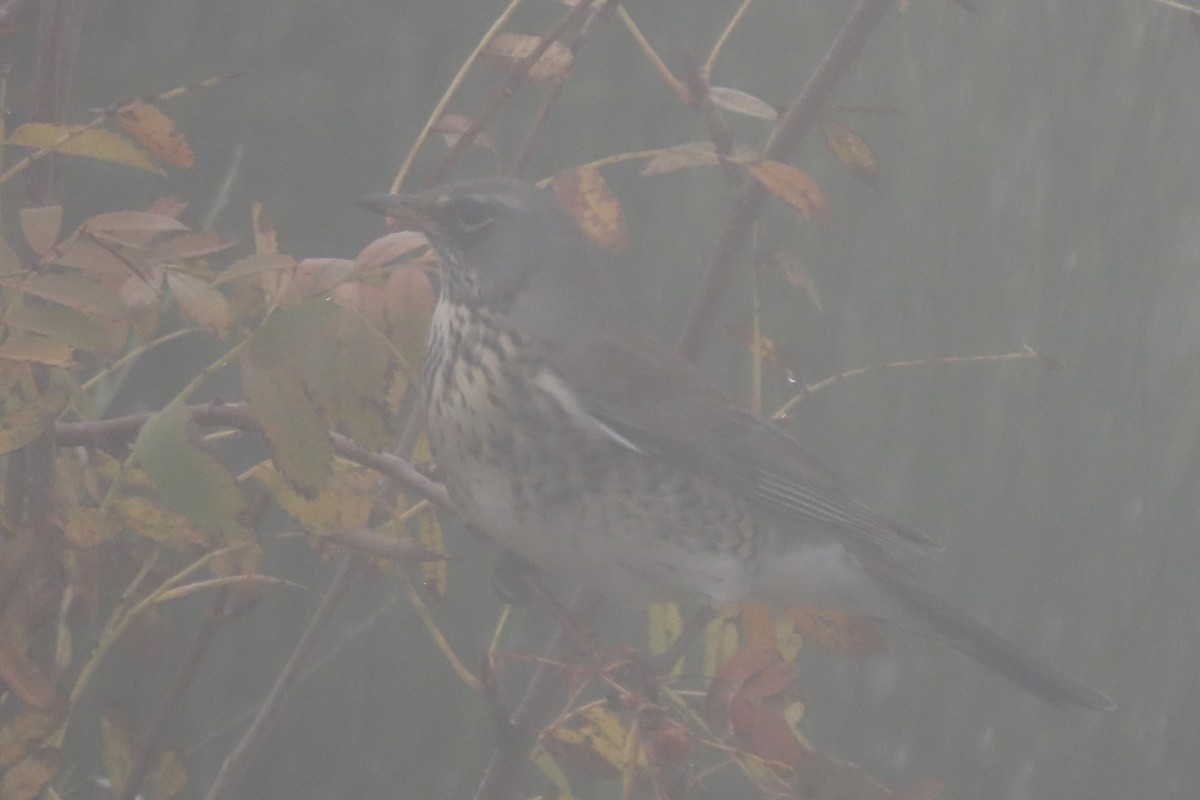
[[1040, 185]]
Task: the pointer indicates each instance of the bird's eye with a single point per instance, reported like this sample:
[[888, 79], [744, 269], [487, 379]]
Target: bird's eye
[[469, 214]]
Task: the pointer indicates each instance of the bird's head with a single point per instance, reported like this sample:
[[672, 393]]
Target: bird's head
[[492, 236]]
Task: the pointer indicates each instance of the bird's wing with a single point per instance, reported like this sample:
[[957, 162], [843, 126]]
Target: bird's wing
[[654, 401]]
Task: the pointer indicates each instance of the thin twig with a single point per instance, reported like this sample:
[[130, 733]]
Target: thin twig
[[447, 95], [784, 139], [120, 430], [499, 97], [537, 706], [600, 12], [1025, 354], [170, 705], [239, 759]]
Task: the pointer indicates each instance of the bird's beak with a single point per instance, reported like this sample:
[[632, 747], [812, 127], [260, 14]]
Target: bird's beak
[[403, 208]]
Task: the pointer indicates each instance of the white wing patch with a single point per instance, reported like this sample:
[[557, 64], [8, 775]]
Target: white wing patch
[[553, 385]]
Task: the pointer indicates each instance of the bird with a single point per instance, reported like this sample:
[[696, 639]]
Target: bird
[[594, 451]]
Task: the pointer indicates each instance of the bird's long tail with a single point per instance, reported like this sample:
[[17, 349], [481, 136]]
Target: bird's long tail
[[971, 637]]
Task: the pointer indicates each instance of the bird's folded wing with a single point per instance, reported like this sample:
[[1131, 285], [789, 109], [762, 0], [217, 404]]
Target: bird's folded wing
[[660, 404]]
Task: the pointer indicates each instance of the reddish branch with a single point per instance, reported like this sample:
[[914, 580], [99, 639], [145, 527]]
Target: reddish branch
[[111, 433], [788, 133]]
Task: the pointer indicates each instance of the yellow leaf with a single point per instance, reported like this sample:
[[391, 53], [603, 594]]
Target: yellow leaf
[[851, 150], [434, 571], [94, 143], [720, 640], [665, 626], [342, 504], [27, 421], [118, 752], [169, 778], [37, 350]]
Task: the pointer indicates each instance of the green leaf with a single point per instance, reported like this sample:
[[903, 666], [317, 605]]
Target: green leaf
[[191, 480], [298, 436]]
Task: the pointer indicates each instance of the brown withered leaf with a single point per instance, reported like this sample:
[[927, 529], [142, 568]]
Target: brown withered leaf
[[388, 250], [586, 195], [794, 187], [790, 266], [200, 302], [851, 150], [28, 777], [453, 126], [314, 277], [24, 677], [507, 50], [41, 227], [155, 131], [408, 306], [78, 291], [739, 102], [24, 732], [189, 245], [694, 154], [839, 633], [131, 228], [260, 264]]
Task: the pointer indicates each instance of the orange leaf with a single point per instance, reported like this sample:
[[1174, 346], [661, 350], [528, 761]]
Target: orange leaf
[[842, 634], [851, 150], [795, 188], [41, 227], [156, 132], [764, 347], [200, 302], [507, 50], [388, 249], [586, 195]]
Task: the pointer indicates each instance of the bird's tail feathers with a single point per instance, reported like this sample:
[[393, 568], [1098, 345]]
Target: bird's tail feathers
[[971, 637]]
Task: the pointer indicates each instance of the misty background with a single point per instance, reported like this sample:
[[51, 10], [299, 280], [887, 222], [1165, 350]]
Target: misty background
[[1039, 186]]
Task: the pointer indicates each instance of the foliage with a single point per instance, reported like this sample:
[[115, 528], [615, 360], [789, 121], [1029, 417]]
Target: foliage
[[144, 510]]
